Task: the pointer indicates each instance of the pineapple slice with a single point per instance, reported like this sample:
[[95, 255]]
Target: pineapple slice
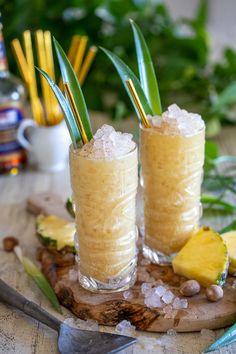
[[230, 241], [55, 232], [204, 258]]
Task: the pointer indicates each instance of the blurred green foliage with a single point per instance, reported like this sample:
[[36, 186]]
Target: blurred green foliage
[[180, 51]]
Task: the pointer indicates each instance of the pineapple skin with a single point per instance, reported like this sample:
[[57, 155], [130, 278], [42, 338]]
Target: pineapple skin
[[48, 241], [230, 241]]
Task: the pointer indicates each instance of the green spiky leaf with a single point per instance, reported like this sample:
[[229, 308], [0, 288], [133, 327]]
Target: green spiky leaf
[[38, 278], [68, 75], [230, 227], [146, 70], [126, 73], [216, 201], [68, 114]]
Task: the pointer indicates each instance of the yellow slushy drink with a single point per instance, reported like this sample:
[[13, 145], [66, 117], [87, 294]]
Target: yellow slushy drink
[[172, 157], [104, 183]]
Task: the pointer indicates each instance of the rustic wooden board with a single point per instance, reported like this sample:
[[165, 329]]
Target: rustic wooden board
[[110, 309]]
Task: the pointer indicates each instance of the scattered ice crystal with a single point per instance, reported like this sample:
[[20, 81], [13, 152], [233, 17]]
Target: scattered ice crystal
[[171, 332], [167, 340], [145, 287], [126, 328], [73, 275], [168, 297], [70, 322], [153, 300], [89, 325], [177, 121], [127, 295], [108, 144], [207, 333], [183, 303], [180, 303], [146, 343], [92, 325], [160, 290]]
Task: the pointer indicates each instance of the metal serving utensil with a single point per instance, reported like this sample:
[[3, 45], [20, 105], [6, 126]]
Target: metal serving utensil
[[70, 340]]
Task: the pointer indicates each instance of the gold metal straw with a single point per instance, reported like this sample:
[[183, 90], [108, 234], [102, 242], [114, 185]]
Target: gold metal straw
[[80, 54], [87, 64], [138, 104], [20, 59], [76, 113]]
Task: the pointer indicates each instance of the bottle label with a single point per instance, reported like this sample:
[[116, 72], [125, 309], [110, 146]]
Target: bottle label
[[10, 116], [3, 57], [11, 153]]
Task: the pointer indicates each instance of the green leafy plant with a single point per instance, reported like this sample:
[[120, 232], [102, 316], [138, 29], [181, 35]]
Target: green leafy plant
[[68, 114], [220, 181], [147, 74], [38, 278], [230, 227], [147, 88], [69, 76], [126, 73]]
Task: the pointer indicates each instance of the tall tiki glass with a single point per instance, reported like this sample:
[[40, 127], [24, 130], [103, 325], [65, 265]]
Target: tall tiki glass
[[172, 157], [104, 191]]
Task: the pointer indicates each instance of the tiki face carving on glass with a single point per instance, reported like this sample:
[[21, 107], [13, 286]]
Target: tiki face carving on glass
[[104, 182]]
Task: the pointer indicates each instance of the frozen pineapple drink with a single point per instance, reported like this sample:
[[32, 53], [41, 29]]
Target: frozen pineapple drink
[[104, 183], [172, 157]]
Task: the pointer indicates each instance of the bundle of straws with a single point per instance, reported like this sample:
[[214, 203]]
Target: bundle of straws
[[47, 111]]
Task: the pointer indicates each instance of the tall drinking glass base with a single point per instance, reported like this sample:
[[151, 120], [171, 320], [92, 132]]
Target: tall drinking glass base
[[157, 257], [120, 283]]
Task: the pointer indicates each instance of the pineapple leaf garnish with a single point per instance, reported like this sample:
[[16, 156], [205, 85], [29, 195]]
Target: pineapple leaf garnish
[[126, 73], [146, 70], [68, 114], [38, 278], [69, 76]]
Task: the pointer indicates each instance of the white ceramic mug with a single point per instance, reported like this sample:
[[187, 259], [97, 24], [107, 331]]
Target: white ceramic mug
[[47, 147]]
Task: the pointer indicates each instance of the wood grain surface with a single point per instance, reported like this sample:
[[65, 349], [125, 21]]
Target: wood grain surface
[[110, 309], [21, 335]]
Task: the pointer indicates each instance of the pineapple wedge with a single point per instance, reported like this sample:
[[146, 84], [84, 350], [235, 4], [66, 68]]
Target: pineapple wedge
[[230, 241], [204, 258], [55, 232]]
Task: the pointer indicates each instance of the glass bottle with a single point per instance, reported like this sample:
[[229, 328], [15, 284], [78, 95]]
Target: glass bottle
[[12, 94]]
